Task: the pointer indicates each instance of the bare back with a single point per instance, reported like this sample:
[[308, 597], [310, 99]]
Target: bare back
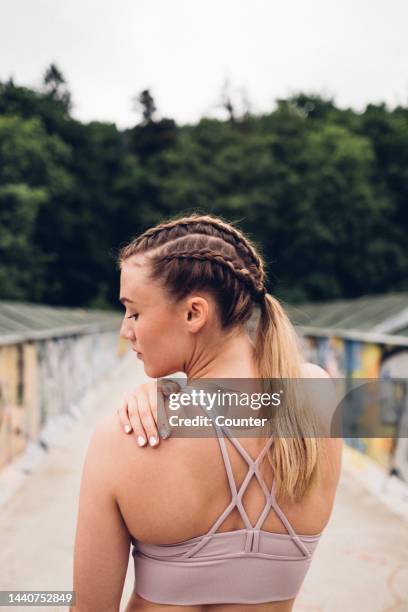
[[175, 492]]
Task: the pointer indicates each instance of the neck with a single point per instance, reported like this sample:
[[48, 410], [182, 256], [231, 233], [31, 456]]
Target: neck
[[223, 357]]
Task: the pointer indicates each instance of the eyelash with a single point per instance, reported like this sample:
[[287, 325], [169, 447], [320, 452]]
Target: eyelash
[[134, 315]]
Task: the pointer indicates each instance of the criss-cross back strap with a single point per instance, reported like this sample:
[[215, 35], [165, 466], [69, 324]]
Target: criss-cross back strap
[[252, 541]]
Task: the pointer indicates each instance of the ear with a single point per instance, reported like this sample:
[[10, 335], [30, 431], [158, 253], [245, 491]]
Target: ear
[[197, 311]]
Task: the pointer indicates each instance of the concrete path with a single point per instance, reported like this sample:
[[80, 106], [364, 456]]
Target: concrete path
[[360, 565]]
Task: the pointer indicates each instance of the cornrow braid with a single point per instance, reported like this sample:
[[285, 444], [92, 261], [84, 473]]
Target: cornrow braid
[[243, 246], [241, 273]]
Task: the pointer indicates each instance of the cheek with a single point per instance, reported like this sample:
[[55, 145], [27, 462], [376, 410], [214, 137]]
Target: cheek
[[151, 335], [169, 345], [160, 338], [174, 336]]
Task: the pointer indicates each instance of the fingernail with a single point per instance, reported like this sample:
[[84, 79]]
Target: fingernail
[[141, 441], [163, 432], [127, 428], [152, 440]]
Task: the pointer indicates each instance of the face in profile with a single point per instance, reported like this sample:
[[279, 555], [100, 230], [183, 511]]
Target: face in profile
[[155, 327]]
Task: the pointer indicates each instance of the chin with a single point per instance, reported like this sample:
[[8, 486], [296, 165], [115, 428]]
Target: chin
[[156, 372]]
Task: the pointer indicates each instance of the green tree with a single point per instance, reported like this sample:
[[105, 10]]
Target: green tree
[[321, 190], [22, 264], [55, 86], [144, 103]]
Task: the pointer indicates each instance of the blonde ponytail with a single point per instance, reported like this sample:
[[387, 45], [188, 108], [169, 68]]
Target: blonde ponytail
[[294, 456], [277, 348]]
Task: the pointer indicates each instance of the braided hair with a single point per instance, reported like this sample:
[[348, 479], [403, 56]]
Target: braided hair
[[204, 252]]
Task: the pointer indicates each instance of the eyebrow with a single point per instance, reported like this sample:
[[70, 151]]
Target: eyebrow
[[125, 299]]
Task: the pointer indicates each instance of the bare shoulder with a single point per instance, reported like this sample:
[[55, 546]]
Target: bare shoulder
[[311, 370], [108, 430], [113, 451], [333, 447], [107, 438], [103, 443]]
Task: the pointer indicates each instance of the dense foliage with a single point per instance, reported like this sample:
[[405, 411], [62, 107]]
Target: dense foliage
[[322, 191]]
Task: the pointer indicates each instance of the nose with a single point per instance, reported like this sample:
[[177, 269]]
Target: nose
[[126, 331]]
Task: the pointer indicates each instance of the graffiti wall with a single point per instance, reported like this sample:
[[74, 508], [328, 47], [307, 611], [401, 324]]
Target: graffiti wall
[[45, 378], [354, 359]]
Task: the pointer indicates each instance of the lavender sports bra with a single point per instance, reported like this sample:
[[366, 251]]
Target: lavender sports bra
[[245, 566]]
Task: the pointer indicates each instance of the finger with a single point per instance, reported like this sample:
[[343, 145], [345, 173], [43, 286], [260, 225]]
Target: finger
[[167, 386], [148, 422], [133, 410], [156, 401], [123, 415]]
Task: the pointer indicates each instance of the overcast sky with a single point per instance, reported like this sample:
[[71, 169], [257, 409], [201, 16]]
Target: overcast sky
[[184, 50]]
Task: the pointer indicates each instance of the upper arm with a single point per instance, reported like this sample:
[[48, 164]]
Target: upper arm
[[326, 400], [102, 540]]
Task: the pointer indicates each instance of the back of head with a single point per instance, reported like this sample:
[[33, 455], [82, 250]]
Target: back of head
[[205, 252]]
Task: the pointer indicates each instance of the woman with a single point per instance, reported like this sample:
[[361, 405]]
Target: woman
[[199, 541]]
